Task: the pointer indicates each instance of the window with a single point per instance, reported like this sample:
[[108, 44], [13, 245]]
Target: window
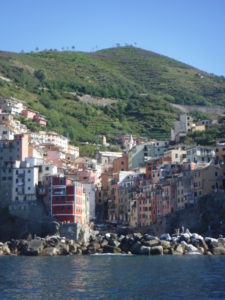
[[46, 168], [122, 162], [216, 174], [29, 171], [28, 188], [29, 179]]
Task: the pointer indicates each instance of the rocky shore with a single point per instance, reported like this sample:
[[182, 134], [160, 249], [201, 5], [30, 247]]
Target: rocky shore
[[136, 243]]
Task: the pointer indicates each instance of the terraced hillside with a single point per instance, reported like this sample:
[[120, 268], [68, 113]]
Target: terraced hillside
[[142, 83]]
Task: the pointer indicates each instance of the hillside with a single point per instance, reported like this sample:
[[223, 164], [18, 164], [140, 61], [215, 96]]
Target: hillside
[[141, 84]]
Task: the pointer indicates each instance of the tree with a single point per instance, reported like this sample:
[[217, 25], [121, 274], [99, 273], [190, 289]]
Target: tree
[[40, 75]]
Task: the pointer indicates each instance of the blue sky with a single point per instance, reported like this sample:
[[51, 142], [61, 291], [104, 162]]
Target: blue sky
[[192, 31]]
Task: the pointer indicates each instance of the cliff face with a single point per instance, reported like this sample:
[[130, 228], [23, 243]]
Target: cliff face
[[13, 227], [207, 217]]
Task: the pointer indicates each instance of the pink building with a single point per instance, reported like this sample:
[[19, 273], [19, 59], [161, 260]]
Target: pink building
[[29, 113], [41, 120]]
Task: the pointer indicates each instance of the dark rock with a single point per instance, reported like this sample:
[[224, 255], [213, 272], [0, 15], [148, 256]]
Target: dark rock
[[157, 250], [135, 249], [211, 242], [144, 250], [137, 236], [186, 237], [114, 243], [111, 249], [125, 245], [165, 236], [148, 237]]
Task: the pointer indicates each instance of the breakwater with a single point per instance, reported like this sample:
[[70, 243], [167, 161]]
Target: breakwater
[[136, 243]]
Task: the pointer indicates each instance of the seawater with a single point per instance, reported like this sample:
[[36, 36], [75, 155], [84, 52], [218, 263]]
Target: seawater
[[112, 277]]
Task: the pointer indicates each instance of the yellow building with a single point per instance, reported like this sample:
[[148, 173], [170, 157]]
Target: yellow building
[[177, 154], [207, 180], [220, 151], [198, 127]]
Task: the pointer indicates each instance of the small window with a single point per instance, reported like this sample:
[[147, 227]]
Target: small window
[[28, 188], [29, 171]]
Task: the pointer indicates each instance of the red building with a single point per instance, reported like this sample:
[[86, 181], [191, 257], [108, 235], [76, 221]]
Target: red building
[[67, 200]]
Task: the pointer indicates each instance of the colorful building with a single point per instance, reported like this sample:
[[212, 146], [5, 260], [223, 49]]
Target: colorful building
[[68, 203]]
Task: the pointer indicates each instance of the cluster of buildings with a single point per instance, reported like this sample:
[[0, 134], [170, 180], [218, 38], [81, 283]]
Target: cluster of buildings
[[135, 187], [42, 168], [186, 124], [156, 178]]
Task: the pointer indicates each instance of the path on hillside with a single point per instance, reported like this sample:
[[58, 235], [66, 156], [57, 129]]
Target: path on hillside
[[216, 110]]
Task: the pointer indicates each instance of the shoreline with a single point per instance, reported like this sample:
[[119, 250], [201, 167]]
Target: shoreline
[[110, 243]]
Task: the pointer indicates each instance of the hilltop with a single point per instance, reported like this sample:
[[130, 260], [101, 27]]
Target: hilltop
[[139, 83]]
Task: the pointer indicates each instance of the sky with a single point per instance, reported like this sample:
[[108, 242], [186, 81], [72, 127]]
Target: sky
[[191, 31]]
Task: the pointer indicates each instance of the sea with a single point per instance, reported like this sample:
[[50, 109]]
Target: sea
[[112, 277]]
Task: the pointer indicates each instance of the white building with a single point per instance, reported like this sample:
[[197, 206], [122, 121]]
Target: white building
[[200, 154], [181, 127], [46, 170], [6, 133], [89, 190], [106, 157], [73, 152], [25, 180], [12, 106], [50, 138]]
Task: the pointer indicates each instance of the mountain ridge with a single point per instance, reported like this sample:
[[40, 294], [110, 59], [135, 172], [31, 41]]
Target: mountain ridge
[[142, 82]]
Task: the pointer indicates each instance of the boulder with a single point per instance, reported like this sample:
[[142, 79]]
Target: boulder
[[5, 249], [144, 250], [135, 249], [191, 248], [221, 242], [107, 236], [194, 253], [167, 251], [148, 237], [165, 244], [197, 236], [104, 243], [152, 243], [179, 249], [114, 243], [34, 247], [64, 249], [165, 236], [211, 242], [157, 250], [218, 251], [95, 245], [13, 246], [185, 237], [50, 251], [125, 245], [111, 249], [137, 236]]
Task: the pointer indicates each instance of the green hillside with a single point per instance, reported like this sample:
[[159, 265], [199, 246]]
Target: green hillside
[[142, 82]]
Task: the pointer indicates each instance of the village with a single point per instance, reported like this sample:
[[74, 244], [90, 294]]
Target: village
[[136, 187]]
